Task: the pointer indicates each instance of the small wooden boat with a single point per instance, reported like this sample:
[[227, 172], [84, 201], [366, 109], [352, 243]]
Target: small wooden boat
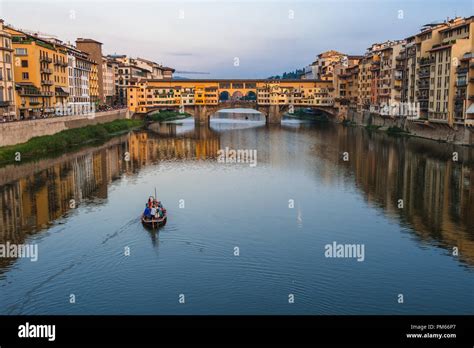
[[154, 223]]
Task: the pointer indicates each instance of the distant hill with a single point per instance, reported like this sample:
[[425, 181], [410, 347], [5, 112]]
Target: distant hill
[[180, 78], [288, 75]]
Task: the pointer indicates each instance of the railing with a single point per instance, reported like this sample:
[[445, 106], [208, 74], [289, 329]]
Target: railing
[[46, 71], [426, 61], [45, 59], [4, 103], [29, 92], [46, 82]]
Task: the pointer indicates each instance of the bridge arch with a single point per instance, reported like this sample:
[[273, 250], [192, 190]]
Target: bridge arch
[[250, 95], [237, 95], [224, 96]]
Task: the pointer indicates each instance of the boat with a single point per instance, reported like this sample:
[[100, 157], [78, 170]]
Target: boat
[[154, 223]]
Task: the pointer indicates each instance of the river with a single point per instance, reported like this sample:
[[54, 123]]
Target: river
[[243, 238]]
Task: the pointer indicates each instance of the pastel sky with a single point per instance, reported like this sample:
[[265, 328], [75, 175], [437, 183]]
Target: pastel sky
[[267, 37]]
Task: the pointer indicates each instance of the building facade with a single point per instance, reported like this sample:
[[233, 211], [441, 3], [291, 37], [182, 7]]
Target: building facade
[[41, 75], [144, 95], [108, 70], [79, 67], [7, 84], [94, 49]]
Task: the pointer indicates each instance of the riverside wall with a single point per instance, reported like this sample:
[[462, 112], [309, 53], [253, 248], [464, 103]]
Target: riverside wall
[[12, 133], [458, 135]]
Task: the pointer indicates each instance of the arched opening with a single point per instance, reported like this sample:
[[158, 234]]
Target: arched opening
[[251, 95], [224, 96], [238, 114], [237, 95]]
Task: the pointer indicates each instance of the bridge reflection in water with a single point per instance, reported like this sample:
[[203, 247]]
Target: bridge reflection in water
[[438, 193]]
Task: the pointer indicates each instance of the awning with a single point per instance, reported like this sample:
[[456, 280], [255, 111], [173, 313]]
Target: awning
[[470, 109], [61, 91]]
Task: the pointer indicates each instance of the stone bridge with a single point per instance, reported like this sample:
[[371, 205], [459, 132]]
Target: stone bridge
[[202, 113]]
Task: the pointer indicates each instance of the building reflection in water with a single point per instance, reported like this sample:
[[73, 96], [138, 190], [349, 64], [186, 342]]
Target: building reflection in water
[[32, 196], [438, 193]]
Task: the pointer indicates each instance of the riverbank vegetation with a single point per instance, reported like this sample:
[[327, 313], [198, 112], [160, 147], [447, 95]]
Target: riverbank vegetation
[[167, 115], [70, 139], [372, 127], [302, 114]]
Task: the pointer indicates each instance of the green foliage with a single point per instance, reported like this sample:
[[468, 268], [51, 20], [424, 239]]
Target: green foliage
[[292, 75], [167, 115], [372, 127], [50, 145], [395, 130]]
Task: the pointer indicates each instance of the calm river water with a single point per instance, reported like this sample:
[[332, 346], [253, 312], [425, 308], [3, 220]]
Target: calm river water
[[241, 238]]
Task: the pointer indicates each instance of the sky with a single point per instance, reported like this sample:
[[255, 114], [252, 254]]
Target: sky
[[231, 39]]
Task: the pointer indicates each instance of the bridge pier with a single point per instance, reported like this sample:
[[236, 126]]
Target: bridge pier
[[201, 115], [274, 115]]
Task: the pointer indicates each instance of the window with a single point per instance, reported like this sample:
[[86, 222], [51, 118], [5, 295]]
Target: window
[[24, 64], [21, 51], [8, 58], [25, 76], [9, 74]]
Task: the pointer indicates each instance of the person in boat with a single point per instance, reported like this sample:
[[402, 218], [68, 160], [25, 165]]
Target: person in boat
[[153, 211], [147, 212], [160, 212], [150, 202]]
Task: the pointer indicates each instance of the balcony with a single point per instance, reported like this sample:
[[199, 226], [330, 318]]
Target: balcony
[[461, 70], [461, 83], [5, 103], [46, 82], [426, 61], [46, 71], [45, 59], [424, 74]]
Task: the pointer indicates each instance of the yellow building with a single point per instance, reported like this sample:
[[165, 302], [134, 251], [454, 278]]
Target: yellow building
[[94, 83], [41, 74], [144, 95], [432, 73], [456, 40]]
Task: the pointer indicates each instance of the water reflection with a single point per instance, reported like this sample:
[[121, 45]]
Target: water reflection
[[437, 193]]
